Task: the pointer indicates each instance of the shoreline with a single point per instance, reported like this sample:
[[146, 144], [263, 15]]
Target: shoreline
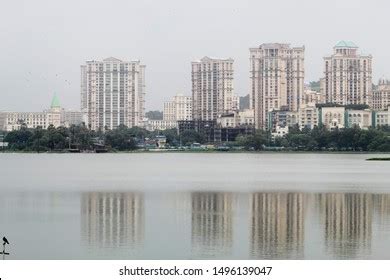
[[207, 152]]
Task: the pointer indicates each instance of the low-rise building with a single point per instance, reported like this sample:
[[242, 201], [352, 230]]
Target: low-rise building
[[237, 119], [381, 95], [308, 116], [381, 118], [281, 118], [246, 117], [153, 125], [15, 120], [360, 118], [312, 96], [279, 131], [332, 117]]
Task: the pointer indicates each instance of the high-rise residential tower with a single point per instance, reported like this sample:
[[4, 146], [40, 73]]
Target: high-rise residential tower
[[212, 88], [179, 109], [113, 93], [277, 79], [347, 76]]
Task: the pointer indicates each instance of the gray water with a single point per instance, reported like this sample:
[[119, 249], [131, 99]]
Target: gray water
[[195, 206]]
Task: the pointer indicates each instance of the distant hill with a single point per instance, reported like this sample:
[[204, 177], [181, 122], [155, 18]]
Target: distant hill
[[154, 115], [244, 102]]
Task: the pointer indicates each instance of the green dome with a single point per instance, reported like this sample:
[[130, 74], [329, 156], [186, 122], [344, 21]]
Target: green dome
[[55, 102], [346, 44]]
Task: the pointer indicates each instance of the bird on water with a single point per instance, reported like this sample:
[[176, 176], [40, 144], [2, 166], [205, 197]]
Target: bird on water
[[5, 241]]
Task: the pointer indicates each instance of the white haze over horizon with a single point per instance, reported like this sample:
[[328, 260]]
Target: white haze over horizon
[[44, 42]]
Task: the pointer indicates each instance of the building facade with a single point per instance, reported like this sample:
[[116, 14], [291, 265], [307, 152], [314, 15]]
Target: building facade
[[277, 79], [212, 88], [381, 95], [71, 117], [381, 118], [16, 120], [312, 96], [113, 93], [153, 125], [178, 109], [332, 117], [347, 76], [360, 118], [237, 119], [308, 116]]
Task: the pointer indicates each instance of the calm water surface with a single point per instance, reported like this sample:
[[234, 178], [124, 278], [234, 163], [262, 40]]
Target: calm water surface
[[195, 206]]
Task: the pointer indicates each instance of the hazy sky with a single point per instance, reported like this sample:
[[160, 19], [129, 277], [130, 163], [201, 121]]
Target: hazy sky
[[44, 42]]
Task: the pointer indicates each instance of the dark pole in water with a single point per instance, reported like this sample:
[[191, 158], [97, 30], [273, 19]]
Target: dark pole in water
[[5, 241]]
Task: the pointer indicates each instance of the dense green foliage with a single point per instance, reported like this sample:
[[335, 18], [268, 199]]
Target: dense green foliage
[[126, 139], [154, 115], [321, 139], [315, 85]]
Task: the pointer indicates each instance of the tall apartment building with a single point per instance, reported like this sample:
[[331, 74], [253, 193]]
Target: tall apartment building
[[178, 109], [212, 88], [381, 95], [277, 79], [347, 76], [113, 93]]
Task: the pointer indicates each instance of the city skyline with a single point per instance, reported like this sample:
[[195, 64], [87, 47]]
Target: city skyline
[[168, 52]]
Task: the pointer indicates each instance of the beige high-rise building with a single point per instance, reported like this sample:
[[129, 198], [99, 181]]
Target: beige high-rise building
[[113, 93], [179, 109], [381, 95], [277, 79], [212, 88], [347, 76]]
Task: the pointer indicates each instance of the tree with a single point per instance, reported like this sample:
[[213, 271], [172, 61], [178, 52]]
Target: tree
[[191, 136], [18, 139], [154, 115], [258, 140], [120, 139]]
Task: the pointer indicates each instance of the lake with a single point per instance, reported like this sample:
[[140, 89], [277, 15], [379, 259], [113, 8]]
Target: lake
[[195, 206]]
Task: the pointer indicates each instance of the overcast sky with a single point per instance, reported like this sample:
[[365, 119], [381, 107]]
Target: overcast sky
[[44, 42]]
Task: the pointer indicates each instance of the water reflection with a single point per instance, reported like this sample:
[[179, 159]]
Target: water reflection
[[212, 223], [184, 225], [348, 221], [276, 225], [112, 219], [382, 207]]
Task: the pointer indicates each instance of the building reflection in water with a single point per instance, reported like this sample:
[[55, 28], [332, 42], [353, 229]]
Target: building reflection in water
[[113, 219], [277, 225], [382, 208], [348, 222], [212, 223]]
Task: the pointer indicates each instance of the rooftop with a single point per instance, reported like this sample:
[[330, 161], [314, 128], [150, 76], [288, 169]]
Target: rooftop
[[112, 59], [346, 44]]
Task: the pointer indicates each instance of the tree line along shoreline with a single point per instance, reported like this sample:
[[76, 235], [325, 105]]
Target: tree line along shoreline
[[80, 138]]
